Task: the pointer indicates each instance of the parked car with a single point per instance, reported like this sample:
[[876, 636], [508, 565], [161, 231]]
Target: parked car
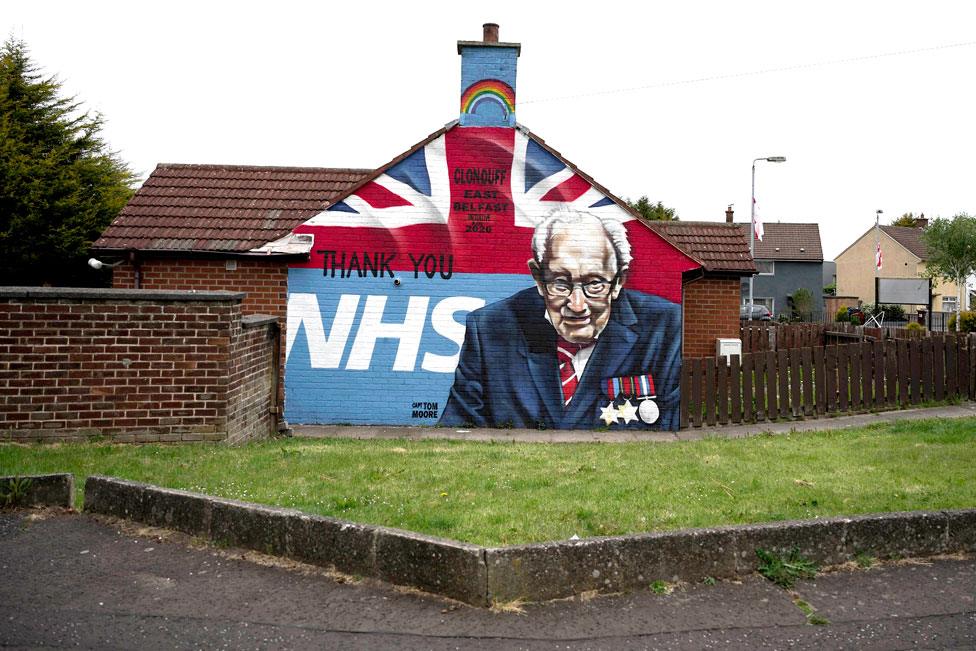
[[759, 313]]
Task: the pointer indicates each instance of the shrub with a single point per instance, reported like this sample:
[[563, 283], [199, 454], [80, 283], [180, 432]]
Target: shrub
[[967, 324], [842, 316], [915, 326]]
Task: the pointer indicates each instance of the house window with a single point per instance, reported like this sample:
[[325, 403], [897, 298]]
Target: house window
[[949, 303], [766, 267]]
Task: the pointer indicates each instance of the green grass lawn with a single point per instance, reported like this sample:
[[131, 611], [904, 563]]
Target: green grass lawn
[[502, 493]]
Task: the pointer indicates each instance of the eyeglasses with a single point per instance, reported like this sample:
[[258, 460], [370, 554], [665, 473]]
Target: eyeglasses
[[596, 288]]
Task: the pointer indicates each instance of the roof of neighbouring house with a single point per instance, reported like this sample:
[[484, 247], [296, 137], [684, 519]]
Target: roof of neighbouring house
[[223, 208], [909, 237], [719, 246], [788, 242]]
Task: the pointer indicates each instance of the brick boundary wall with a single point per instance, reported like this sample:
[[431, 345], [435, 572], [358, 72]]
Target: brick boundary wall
[[711, 311], [264, 281], [133, 366]]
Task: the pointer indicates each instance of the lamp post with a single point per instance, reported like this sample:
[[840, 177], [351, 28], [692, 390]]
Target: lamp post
[[752, 221]]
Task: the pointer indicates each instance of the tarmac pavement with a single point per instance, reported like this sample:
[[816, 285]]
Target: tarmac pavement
[[76, 580]]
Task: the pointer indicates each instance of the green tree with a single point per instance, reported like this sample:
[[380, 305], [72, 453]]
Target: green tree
[[60, 185], [951, 247], [907, 219], [653, 211]]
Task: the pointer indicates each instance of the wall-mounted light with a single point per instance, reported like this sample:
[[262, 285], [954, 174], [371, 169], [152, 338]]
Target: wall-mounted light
[[95, 263]]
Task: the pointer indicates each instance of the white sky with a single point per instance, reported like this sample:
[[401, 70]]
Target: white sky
[[353, 84]]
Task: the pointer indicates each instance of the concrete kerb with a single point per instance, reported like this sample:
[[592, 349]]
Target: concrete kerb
[[39, 490], [535, 572]]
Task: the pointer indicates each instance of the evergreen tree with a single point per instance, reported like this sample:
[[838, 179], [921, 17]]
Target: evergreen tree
[[60, 185], [652, 211]]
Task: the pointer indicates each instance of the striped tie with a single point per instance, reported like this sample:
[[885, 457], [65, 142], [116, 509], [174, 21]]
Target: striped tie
[[565, 351]]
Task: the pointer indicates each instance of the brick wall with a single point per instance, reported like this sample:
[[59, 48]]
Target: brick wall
[[132, 366], [264, 282], [251, 405], [711, 311]]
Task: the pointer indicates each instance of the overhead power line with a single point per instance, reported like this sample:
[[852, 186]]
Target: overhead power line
[[750, 73]]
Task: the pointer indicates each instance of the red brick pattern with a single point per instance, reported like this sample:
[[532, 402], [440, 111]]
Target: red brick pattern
[[154, 369], [264, 281], [711, 307]]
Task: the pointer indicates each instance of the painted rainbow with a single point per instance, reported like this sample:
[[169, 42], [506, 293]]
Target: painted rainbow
[[488, 89]]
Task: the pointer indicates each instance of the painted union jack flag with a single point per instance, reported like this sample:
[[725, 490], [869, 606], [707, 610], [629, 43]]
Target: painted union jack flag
[[475, 193]]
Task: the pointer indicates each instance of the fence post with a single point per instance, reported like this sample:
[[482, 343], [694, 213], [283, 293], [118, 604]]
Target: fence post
[[685, 393], [735, 375], [747, 388]]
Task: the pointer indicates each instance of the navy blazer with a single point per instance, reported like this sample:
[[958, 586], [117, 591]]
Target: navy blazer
[[508, 375]]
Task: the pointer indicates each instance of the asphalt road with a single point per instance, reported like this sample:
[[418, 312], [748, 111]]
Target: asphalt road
[[69, 580]]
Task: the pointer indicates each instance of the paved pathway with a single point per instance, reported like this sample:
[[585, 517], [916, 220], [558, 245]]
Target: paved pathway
[[72, 580], [964, 410]]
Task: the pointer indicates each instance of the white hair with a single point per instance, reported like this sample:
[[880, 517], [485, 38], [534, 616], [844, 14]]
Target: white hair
[[615, 231]]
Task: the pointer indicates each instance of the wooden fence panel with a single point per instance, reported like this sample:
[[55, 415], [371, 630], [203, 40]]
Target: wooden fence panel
[[891, 373], [783, 370], [854, 379], [831, 361], [709, 390], [879, 373], [928, 364], [759, 385], [820, 380], [938, 367], [952, 366], [695, 415], [772, 406], [962, 360], [735, 385], [806, 377], [685, 394], [867, 377], [904, 372], [748, 413], [915, 359], [843, 379], [796, 397], [722, 389]]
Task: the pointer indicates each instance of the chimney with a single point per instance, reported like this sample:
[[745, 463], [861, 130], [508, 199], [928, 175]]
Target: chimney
[[488, 70], [920, 221], [728, 214], [491, 32]]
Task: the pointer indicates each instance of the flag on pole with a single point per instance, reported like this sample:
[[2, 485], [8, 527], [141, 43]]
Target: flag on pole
[[877, 257], [757, 224]]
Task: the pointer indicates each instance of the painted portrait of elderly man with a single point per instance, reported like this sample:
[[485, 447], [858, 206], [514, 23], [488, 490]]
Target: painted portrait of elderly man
[[576, 351]]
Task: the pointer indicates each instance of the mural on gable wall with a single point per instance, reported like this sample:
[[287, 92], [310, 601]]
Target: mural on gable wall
[[480, 281]]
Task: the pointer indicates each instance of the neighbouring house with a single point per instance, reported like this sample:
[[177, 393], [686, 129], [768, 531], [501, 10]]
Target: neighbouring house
[[788, 258], [903, 256], [376, 276]]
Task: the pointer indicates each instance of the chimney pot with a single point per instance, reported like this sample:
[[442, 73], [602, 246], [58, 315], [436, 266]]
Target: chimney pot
[[728, 214], [491, 32]]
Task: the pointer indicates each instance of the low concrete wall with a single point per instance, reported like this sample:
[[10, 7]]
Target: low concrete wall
[[40, 490], [535, 572]]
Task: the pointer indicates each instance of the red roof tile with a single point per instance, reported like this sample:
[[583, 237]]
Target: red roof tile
[[800, 242], [223, 208], [909, 237], [718, 246]]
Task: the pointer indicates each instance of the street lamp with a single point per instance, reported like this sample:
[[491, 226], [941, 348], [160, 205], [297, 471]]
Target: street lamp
[[752, 221]]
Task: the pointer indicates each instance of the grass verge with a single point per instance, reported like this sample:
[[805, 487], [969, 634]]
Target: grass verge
[[500, 494]]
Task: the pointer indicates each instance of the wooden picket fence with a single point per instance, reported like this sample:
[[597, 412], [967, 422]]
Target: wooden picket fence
[[817, 381], [758, 336]]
